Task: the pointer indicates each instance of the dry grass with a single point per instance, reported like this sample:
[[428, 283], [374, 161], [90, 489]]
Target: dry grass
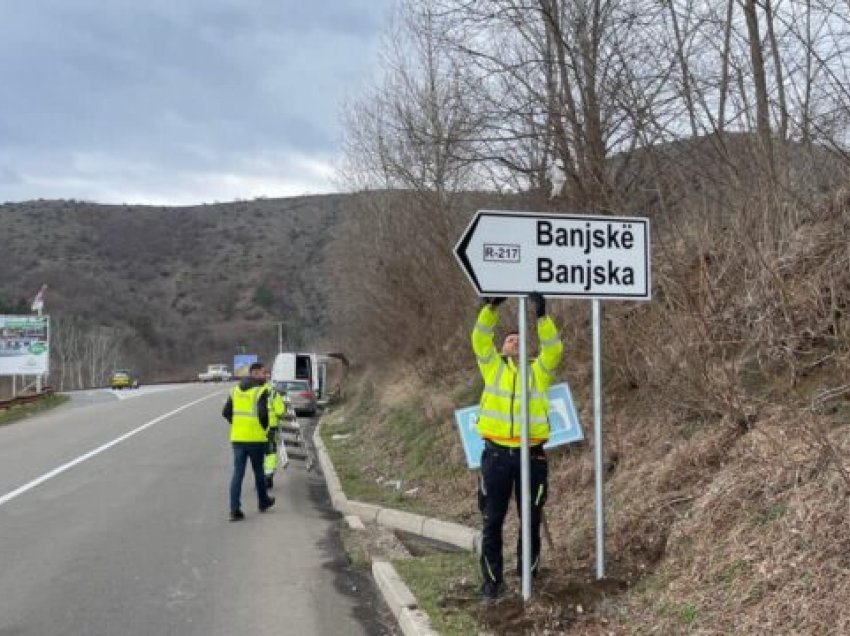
[[726, 421]]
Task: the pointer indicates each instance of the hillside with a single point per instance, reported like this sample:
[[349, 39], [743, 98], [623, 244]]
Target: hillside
[[165, 291], [177, 287]]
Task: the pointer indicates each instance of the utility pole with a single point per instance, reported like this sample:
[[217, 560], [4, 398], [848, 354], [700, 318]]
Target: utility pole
[[280, 337]]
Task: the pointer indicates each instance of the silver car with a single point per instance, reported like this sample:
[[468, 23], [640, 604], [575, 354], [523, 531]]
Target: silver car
[[303, 398]]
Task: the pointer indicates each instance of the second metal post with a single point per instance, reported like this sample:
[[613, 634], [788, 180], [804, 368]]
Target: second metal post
[[597, 438], [525, 479]]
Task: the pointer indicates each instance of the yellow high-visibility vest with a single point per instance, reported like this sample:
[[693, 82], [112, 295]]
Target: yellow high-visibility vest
[[500, 419], [277, 408], [245, 426]]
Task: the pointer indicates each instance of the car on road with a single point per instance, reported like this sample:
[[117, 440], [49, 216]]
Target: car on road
[[123, 379], [302, 397], [215, 373]]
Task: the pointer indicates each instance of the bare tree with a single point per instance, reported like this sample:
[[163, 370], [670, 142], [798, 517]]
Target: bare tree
[[83, 353]]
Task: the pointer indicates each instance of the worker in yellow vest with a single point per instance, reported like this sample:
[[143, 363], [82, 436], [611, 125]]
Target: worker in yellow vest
[[247, 411], [499, 423], [277, 410]]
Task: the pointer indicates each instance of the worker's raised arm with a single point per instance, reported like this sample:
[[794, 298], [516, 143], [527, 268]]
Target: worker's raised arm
[[551, 347], [483, 334]]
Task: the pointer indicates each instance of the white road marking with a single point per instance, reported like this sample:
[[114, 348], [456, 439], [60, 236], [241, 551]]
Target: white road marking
[[128, 394], [79, 460]]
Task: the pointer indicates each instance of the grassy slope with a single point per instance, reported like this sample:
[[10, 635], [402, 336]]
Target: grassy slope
[[7, 416], [727, 428]]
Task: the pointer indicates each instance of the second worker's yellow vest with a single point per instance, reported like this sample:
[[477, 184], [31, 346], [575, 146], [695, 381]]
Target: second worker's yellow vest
[[277, 409]]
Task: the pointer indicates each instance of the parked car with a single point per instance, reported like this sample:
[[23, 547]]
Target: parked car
[[300, 394], [123, 379]]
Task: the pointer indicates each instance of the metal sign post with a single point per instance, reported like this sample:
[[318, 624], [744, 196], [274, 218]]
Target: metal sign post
[[506, 253], [597, 438], [525, 481]]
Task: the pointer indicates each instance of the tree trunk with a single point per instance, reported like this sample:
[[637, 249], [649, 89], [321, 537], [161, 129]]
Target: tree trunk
[[760, 83]]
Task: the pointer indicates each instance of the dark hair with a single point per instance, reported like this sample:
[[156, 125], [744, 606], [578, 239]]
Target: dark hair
[[256, 367], [512, 332]]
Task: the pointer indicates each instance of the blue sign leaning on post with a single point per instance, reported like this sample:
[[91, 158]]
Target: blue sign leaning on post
[[564, 427]]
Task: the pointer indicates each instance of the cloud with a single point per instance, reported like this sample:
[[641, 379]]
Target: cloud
[[103, 178], [8, 176], [168, 98]]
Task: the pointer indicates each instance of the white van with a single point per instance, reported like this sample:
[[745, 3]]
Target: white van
[[312, 367], [297, 366], [283, 368]]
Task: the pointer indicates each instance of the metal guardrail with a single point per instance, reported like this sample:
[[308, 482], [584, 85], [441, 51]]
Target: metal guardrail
[[25, 399]]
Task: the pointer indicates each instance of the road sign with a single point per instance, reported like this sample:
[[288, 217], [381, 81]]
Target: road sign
[[24, 345], [242, 364], [564, 427], [574, 256]]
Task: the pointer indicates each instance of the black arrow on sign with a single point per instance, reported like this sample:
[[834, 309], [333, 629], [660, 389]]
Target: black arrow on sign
[[460, 252]]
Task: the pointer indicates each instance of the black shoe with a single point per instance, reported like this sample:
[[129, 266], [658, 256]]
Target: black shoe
[[269, 504], [237, 515], [490, 592]]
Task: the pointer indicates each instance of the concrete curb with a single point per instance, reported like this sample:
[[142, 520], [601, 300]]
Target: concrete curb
[[411, 620], [454, 534], [338, 498], [397, 594]]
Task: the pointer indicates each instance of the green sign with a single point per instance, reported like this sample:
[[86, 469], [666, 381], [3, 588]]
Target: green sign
[[37, 348]]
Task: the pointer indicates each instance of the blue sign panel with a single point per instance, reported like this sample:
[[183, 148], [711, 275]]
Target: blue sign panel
[[564, 427], [242, 364]]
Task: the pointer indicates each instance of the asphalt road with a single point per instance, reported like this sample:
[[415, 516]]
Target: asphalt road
[[114, 521]]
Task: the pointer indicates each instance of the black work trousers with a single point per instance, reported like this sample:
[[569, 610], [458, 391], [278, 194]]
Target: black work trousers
[[500, 475]]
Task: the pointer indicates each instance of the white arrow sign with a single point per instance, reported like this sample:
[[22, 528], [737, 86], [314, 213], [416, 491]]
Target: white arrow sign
[[516, 253]]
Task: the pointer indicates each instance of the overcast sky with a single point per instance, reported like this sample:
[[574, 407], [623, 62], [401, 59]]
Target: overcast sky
[[178, 101]]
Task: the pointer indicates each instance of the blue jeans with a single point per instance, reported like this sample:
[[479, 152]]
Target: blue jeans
[[242, 452]]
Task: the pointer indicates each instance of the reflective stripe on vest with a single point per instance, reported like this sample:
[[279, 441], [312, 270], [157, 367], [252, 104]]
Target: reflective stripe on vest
[[480, 326], [499, 418]]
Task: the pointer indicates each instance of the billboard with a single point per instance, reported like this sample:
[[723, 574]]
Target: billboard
[[24, 345], [242, 363], [564, 427]]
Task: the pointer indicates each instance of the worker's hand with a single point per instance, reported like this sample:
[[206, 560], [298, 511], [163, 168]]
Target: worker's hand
[[494, 301], [539, 303]]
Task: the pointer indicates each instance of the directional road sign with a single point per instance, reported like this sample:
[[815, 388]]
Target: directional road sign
[[575, 256]]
